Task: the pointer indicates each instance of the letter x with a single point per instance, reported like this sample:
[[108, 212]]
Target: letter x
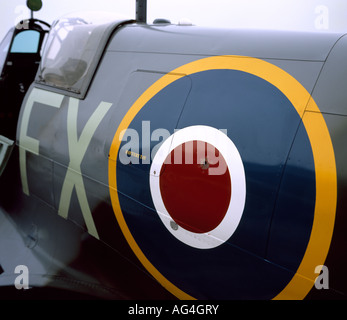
[[77, 150]]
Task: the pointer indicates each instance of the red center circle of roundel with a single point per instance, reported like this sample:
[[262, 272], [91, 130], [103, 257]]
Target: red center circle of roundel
[[196, 200]]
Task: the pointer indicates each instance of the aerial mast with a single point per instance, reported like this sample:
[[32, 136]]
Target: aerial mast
[[141, 11]]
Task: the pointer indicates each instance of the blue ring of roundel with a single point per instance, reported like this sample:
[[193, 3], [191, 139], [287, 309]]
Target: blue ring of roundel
[[261, 257]]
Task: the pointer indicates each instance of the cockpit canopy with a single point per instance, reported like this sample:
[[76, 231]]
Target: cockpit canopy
[[74, 48]]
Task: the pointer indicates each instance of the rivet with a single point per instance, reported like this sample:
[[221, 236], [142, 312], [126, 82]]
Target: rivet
[[174, 225]]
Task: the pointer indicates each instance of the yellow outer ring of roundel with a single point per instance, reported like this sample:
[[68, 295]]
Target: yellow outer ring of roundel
[[323, 153]]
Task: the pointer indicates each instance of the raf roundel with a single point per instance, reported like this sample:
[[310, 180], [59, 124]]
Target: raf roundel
[[198, 186], [201, 216]]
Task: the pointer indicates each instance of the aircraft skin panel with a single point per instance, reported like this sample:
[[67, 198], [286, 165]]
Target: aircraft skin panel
[[63, 260], [98, 185], [332, 97], [336, 256], [287, 45]]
